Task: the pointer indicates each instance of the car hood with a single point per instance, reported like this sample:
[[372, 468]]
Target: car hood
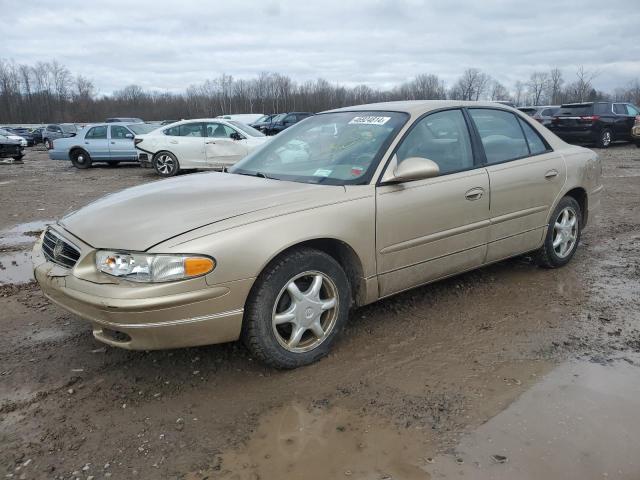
[[140, 217]]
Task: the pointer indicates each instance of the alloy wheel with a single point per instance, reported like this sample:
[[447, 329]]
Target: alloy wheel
[[305, 311], [606, 138], [565, 232], [165, 164]]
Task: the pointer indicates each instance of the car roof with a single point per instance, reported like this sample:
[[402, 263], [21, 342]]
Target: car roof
[[418, 107]]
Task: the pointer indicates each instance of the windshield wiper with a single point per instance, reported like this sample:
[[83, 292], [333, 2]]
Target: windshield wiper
[[255, 174]]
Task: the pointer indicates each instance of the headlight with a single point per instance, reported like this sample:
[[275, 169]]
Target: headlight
[[143, 267]]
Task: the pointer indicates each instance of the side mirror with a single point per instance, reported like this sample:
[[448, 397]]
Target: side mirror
[[236, 136], [129, 135], [412, 168]]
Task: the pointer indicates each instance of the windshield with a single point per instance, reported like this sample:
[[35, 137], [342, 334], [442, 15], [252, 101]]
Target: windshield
[[264, 118], [69, 128], [5, 132], [142, 128], [278, 118], [252, 132], [333, 148]]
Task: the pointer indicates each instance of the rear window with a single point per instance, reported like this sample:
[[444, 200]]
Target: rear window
[[142, 128], [69, 128], [529, 111]]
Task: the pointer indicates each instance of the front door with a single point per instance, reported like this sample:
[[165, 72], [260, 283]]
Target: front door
[[96, 143], [526, 177], [224, 146], [121, 143], [432, 228]]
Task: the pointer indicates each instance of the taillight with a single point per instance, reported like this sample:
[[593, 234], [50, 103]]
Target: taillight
[[555, 119], [136, 141], [590, 118]]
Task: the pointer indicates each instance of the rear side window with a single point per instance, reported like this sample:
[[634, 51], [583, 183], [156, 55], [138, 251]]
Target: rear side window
[[501, 135], [186, 130], [442, 137], [536, 144], [602, 108], [619, 108], [97, 133], [577, 110]]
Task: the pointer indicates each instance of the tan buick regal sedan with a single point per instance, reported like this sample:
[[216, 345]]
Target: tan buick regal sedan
[[342, 209]]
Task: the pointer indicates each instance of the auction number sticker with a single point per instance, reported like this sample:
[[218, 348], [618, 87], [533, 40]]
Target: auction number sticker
[[369, 120], [322, 172]]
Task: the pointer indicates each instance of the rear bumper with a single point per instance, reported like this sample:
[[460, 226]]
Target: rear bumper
[[58, 155], [145, 159], [585, 136], [147, 317]]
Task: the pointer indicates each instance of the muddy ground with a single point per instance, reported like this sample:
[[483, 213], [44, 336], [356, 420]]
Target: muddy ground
[[446, 381]]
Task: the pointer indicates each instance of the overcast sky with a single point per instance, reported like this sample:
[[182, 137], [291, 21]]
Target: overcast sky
[[168, 45]]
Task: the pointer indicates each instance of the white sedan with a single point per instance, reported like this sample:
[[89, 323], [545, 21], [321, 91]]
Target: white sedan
[[206, 143], [11, 136]]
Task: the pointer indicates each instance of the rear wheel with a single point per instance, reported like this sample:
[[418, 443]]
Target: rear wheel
[[296, 309], [48, 143], [605, 138], [80, 159], [166, 164], [563, 235]]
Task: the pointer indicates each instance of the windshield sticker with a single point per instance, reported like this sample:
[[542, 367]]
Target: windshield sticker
[[370, 120], [322, 172]]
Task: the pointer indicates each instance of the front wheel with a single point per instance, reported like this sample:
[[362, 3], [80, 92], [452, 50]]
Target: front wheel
[[166, 164], [605, 138], [80, 159], [563, 235], [296, 309]]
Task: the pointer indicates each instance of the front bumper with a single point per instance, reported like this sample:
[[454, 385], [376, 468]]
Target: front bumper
[[146, 316]]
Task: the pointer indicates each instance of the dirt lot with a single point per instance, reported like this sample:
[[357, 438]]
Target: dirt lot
[[407, 394]]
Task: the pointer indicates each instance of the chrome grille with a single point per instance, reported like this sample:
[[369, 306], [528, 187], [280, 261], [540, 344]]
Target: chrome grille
[[59, 250]]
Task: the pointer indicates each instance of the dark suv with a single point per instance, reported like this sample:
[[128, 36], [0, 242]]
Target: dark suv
[[594, 122], [283, 121]]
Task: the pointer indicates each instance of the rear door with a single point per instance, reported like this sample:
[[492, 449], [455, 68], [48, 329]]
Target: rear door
[[96, 143], [186, 142], [121, 143], [623, 121], [221, 148], [526, 176], [431, 228]]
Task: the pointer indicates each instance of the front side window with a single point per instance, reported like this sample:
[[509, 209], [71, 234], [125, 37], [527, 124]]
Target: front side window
[[501, 135], [631, 110], [97, 133], [218, 130], [619, 109], [333, 148], [252, 132], [118, 132], [536, 144], [442, 137]]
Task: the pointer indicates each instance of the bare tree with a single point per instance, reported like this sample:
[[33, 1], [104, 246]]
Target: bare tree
[[499, 91], [537, 86], [518, 92], [471, 85], [555, 86]]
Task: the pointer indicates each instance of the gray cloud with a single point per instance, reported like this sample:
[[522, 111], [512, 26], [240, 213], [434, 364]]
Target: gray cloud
[[169, 45]]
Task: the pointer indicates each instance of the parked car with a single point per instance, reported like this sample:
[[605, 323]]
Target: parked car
[[24, 133], [57, 130], [11, 148], [168, 122], [635, 132], [37, 134], [207, 143], [12, 136], [595, 122], [103, 142], [543, 114], [283, 121], [246, 118], [124, 120], [390, 196], [263, 122]]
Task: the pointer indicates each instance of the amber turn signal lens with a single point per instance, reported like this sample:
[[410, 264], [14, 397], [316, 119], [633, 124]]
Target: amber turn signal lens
[[197, 266]]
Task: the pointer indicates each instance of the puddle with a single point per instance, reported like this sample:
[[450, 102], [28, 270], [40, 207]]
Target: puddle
[[580, 422], [15, 267], [23, 235], [322, 443]]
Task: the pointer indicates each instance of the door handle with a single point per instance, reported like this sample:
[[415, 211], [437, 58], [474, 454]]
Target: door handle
[[113, 143], [474, 194], [551, 174], [173, 141], [86, 143]]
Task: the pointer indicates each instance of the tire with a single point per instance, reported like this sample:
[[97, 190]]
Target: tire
[[605, 138], [550, 256], [80, 159], [271, 322], [48, 143], [166, 164]]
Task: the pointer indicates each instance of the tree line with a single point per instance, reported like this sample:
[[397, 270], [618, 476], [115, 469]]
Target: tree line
[[49, 92]]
